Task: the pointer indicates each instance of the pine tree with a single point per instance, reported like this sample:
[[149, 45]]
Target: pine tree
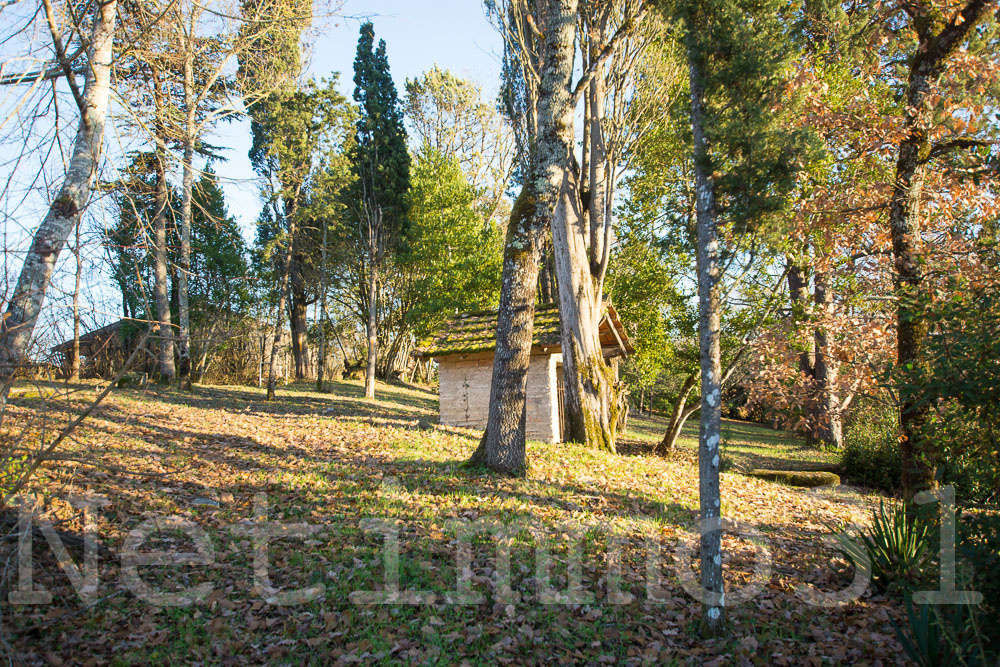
[[381, 165]]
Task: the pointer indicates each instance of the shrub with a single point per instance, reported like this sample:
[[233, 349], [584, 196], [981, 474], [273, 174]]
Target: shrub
[[895, 549], [804, 478], [871, 448], [979, 550], [944, 635]]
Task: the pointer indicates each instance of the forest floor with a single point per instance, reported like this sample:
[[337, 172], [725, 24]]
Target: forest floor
[[369, 474]]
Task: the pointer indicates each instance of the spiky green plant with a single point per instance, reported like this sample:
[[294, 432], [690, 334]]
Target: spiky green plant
[[896, 547]]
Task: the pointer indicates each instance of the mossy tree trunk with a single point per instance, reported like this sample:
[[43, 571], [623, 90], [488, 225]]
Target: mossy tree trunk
[[502, 446]]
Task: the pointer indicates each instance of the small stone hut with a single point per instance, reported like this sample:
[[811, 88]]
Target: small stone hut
[[464, 350]]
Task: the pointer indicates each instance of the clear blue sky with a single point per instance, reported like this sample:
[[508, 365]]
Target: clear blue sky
[[418, 34]]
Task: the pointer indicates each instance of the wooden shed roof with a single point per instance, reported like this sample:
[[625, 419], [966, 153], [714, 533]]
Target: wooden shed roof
[[476, 332], [98, 337]]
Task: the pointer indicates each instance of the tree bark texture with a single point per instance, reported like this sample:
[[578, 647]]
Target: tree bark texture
[[711, 367], [679, 415], [918, 453], [590, 401], [161, 294], [279, 313], [502, 447], [828, 428], [371, 329], [18, 323], [297, 314], [74, 367]]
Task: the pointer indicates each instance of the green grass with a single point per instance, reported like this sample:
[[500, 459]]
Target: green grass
[[745, 444]]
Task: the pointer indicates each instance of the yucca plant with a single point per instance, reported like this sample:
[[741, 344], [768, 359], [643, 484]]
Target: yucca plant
[[896, 547], [943, 636]]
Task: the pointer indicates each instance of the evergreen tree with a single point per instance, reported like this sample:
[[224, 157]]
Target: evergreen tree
[[219, 258], [381, 165]]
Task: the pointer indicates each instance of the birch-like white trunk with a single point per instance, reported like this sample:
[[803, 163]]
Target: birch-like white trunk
[[18, 323], [710, 355]]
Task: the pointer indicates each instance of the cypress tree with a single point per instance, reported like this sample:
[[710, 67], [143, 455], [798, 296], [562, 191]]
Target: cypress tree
[[381, 165]]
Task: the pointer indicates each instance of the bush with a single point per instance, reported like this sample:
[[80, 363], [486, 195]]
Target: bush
[[806, 478], [979, 550], [895, 549], [944, 635], [871, 450]]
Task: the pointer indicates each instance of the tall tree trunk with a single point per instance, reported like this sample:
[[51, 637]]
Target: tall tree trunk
[[184, 268], [74, 368], [829, 423], [502, 445], [798, 294], [371, 329], [18, 324], [919, 459], [297, 315], [589, 408], [323, 317], [918, 453], [279, 313], [164, 328], [710, 431]]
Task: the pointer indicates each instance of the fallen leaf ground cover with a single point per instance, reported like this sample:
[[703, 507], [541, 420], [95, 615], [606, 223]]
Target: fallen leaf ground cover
[[347, 478]]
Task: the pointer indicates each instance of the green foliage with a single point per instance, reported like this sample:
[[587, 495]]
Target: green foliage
[[642, 283], [453, 254], [944, 635], [960, 378], [379, 155], [979, 550], [871, 455], [745, 49], [218, 252], [895, 549]]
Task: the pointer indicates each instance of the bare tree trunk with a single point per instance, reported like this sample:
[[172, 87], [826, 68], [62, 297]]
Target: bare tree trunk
[[297, 315], [588, 404], [829, 424], [919, 454], [18, 324], [74, 368], [184, 270], [502, 445], [919, 458], [164, 329], [711, 364], [798, 293], [371, 329], [323, 318], [272, 379]]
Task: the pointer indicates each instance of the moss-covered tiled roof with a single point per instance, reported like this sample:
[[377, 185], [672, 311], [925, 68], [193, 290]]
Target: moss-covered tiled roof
[[476, 332]]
